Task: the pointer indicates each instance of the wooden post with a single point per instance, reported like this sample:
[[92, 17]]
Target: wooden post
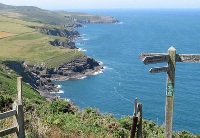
[[15, 122], [139, 133], [169, 107], [20, 112], [134, 122], [19, 89]]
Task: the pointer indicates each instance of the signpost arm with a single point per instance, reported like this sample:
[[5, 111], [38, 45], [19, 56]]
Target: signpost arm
[[169, 107]]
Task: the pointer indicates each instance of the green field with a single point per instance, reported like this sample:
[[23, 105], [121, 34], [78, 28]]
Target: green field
[[30, 45]]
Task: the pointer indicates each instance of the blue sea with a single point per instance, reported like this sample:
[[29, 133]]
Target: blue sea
[[125, 77]]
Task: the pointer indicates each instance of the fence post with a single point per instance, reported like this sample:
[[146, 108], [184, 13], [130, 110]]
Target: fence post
[[169, 107], [20, 112], [134, 122], [15, 122], [139, 133]]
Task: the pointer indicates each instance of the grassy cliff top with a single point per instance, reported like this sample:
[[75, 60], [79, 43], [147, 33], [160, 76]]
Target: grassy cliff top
[[19, 41]]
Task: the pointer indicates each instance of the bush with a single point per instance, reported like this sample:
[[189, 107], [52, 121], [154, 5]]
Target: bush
[[5, 103]]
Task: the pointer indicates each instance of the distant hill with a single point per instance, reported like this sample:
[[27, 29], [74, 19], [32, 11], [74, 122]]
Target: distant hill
[[61, 18]]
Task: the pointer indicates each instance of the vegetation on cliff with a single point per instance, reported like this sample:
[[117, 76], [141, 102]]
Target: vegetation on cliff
[[63, 119]]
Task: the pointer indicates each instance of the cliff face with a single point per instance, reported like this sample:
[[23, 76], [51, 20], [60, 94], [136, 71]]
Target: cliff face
[[66, 43], [68, 33], [78, 66], [42, 77]]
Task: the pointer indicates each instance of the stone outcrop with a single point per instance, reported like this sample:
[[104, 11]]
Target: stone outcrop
[[66, 43]]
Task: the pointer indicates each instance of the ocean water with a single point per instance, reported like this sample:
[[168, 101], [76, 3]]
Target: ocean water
[[125, 77]]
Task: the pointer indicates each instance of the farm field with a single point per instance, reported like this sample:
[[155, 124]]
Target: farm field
[[20, 41], [5, 34]]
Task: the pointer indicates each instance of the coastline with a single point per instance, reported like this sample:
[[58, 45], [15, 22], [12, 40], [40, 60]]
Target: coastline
[[87, 72], [52, 95], [49, 90]]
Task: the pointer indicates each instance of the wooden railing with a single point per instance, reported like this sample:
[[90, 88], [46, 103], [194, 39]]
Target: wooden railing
[[17, 113]]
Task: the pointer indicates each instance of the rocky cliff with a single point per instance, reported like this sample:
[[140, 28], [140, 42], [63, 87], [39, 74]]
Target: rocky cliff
[[66, 32], [69, 33], [42, 76]]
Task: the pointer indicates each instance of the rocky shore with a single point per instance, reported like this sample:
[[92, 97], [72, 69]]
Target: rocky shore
[[41, 77]]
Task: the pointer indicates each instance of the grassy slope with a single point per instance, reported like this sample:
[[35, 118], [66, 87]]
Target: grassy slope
[[45, 119], [29, 45]]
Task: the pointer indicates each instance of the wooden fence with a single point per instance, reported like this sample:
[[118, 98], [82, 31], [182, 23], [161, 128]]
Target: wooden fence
[[17, 113]]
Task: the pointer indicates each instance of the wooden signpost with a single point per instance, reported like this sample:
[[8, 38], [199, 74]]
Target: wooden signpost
[[159, 69], [171, 58], [155, 59]]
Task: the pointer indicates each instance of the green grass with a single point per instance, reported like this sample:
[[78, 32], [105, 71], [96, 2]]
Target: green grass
[[8, 86], [32, 46], [14, 28]]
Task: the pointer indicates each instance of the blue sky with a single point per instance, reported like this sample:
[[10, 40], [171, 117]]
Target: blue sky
[[105, 4]]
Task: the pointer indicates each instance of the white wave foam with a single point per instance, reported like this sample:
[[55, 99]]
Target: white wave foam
[[120, 23], [82, 36], [82, 77], [106, 67], [66, 99], [100, 63], [85, 39], [58, 86], [60, 91], [83, 50], [98, 72], [80, 43]]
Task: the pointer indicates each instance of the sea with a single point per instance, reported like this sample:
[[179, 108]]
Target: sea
[[124, 77]]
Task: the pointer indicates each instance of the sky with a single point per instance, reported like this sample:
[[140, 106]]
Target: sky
[[104, 4]]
